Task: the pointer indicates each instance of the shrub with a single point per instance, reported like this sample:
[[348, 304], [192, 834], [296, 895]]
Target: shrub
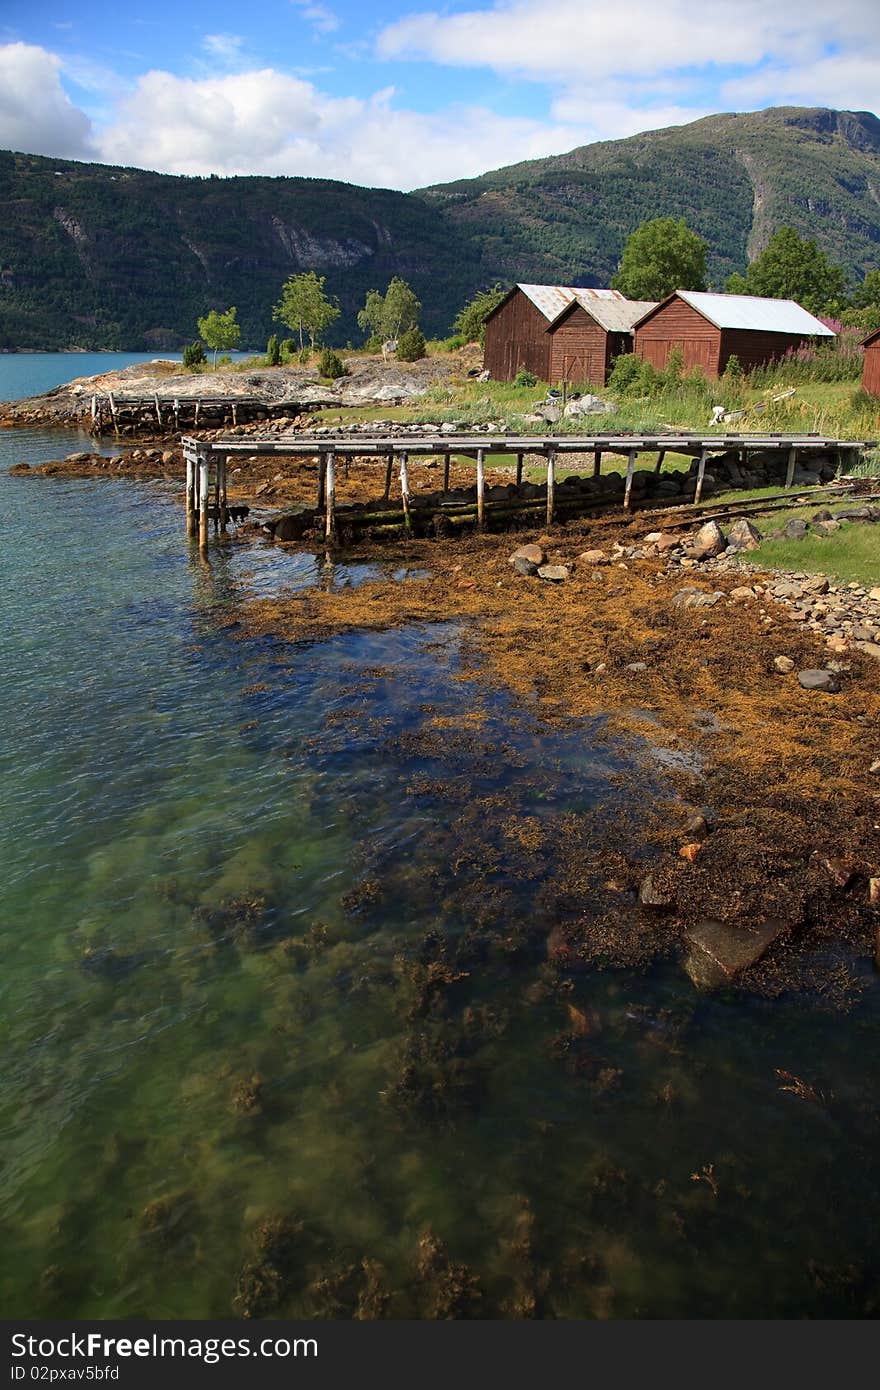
[[733, 371], [193, 355], [524, 378], [411, 345], [625, 374], [331, 365], [273, 352]]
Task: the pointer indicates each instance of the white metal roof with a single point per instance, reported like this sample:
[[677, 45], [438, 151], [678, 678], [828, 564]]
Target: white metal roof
[[748, 311]]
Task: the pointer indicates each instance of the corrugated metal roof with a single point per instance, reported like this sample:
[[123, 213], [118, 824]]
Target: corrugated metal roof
[[748, 311], [616, 314], [550, 299]]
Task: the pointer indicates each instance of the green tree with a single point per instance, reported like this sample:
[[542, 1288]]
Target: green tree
[[273, 352], [661, 256], [867, 294], [305, 308], [793, 268], [220, 331], [470, 321], [411, 345], [193, 355], [389, 315]]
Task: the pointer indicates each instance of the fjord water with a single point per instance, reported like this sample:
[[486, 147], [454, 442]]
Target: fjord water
[[229, 1084]]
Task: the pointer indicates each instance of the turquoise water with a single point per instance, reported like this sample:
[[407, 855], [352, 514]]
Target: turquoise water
[[279, 1029], [31, 373]]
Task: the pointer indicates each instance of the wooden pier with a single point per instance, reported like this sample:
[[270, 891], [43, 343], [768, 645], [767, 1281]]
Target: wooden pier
[[126, 414], [206, 469]]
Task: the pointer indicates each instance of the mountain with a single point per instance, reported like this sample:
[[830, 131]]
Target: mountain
[[734, 178], [108, 257]]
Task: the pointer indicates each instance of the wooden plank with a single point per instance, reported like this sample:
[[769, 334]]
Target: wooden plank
[[481, 489]]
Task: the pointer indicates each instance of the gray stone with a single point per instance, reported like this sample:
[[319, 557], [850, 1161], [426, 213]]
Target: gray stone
[[871, 649], [720, 951], [555, 573], [820, 680], [524, 566], [649, 896], [795, 530], [532, 554], [783, 664], [744, 535], [708, 541]]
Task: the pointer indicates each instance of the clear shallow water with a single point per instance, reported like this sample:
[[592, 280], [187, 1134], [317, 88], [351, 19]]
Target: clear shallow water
[[275, 1002]]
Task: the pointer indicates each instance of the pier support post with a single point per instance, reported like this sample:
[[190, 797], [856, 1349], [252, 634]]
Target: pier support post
[[113, 414], [190, 495], [223, 499], [551, 484], [330, 520], [630, 470], [204, 499], [700, 475], [519, 469], [597, 462], [660, 457], [389, 461], [792, 460], [322, 469], [446, 458], [481, 489], [158, 408], [404, 490]]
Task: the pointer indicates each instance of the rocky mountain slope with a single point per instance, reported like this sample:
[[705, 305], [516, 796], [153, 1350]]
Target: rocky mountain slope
[[93, 256]]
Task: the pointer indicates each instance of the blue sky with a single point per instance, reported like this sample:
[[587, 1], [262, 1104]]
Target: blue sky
[[400, 94]]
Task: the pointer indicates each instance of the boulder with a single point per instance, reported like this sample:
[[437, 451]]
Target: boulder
[[720, 951], [820, 680], [743, 535], [871, 649], [666, 541], [708, 541], [795, 530], [742, 594], [527, 558]]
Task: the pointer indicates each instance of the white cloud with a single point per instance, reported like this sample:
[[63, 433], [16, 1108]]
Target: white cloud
[[643, 64], [225, 49], [591, 41], [320, 17], [268, 122], [36, 115]]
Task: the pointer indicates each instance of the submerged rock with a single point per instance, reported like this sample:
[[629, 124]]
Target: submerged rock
[[722, 950]]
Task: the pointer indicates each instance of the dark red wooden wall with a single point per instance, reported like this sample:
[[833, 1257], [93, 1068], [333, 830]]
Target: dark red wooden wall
[[517, 337]]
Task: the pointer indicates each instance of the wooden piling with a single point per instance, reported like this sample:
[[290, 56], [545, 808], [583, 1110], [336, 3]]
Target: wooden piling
[[222, 466], [481, 488], [660, 457], [203, 500], [322, 473], [597, 462], [158, 408], [404, 490], [190, 495], [700, 475], [446, 458], [551, 484], [519, 469], [389, 463], [113, 413], [198, 405], [630, 470], [792, 460], [330, 520]]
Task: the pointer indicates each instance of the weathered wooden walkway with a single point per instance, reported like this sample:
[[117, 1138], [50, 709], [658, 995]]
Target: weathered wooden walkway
[[175, 412], [207, 495]]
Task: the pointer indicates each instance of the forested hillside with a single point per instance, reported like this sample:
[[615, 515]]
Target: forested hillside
[[100, 257]]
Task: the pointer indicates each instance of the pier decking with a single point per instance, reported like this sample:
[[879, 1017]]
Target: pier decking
[[207, 495]]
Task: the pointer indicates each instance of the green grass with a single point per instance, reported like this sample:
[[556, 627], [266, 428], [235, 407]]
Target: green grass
[[851, 554]]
